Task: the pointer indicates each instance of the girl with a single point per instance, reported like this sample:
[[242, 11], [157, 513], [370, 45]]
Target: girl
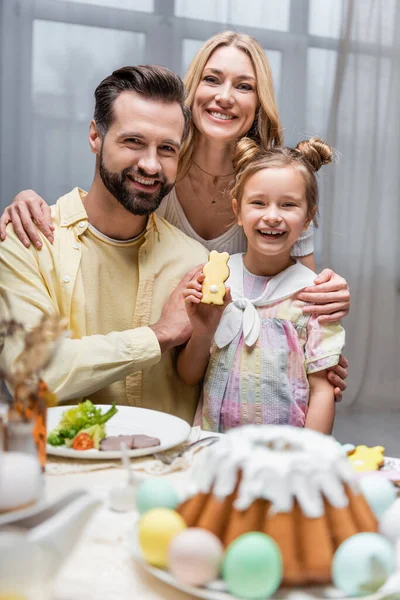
[[231, 95], [268, 359]]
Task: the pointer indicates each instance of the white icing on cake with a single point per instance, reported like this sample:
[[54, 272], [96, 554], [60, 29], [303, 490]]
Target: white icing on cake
[[278, 463]]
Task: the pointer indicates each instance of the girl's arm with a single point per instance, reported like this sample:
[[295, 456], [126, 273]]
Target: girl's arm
[[28, 213], [193, 359], [321, 405]]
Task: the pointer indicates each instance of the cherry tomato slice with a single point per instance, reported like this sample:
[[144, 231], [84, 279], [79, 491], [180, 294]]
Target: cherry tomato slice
[[83, 441]]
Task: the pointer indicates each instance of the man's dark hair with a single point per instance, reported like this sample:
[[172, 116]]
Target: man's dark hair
[[155, 83]]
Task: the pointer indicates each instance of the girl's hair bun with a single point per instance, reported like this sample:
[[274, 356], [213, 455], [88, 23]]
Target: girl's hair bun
[[245, 152], [316, 152]]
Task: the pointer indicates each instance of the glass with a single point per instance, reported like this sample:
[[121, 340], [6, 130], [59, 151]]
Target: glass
[[373, 22], [23, 572], [68, 63], [26, 428], [189, 50], [275, 60], [142, 5], [321, 70], [268, 14], [325, 18]]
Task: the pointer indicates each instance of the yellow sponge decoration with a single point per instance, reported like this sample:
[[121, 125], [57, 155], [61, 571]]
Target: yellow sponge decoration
[[216, 272], [367, 459]]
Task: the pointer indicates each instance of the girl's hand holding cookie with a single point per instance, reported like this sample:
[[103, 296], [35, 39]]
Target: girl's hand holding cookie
[[204, 318]]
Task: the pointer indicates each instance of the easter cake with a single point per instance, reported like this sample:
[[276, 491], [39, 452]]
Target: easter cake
[[295, 485]]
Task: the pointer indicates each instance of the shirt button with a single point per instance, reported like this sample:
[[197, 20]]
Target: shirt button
[[66, 279], [76, 246], [82, 224]]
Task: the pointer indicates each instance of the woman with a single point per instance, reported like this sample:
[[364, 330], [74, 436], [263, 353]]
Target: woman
[[230, 93]]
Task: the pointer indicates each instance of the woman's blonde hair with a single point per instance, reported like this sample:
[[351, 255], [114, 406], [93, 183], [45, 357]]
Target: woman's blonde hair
[[266, 129], [307, 158]]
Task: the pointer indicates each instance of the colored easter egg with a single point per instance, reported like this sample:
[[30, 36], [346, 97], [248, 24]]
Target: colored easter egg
[[379, 493], [348, 448], [156, 493], [252, 566], [389, 524], [157, 527], [195, 556], [362, 564]]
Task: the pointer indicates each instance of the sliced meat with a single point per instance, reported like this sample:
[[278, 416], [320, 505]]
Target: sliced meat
[[144, 441], [113, 442]]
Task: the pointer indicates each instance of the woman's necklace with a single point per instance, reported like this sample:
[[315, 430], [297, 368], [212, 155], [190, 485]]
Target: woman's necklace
[[211, 195], [216, 178]]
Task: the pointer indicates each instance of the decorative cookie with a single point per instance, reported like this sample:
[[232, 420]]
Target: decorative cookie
[[216, 272], [367, 459]]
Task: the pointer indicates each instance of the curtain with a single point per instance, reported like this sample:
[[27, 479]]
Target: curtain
[[361, 208], [336, 69]]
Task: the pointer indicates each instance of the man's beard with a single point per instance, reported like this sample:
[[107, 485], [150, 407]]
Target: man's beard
[[136, 202]]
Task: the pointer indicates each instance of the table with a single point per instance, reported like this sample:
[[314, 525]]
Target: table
[[100, 566]]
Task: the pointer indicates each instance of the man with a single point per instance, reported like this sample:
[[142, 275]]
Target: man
[[114, 263]]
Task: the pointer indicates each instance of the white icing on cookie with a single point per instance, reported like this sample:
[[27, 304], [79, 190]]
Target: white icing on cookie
[[213, 289], [279, 463]]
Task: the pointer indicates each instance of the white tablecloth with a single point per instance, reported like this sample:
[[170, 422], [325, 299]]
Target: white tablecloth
[[101, 568]]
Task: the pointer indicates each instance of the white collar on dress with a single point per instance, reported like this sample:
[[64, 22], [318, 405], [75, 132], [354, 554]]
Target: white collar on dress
[[241, 312]]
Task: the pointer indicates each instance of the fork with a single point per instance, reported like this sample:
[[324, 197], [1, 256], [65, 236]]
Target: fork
[[168, 459]]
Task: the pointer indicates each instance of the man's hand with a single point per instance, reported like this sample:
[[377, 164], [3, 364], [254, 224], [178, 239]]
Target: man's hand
[[337, 376], [329, 298], [174, 328]]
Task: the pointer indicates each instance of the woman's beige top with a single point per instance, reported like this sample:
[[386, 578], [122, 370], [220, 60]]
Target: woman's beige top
[[232, 240]]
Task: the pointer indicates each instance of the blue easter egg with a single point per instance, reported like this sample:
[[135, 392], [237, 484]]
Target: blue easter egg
[[252, 566], [156, 493], [362, 564], [379, 493]]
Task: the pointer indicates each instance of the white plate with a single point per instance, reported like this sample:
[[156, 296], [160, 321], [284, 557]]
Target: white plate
[[210, 593], [216, 590], [129, 420]]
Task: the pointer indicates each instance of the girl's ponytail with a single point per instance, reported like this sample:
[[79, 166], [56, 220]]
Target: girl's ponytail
[[316, 152], [245, 152]]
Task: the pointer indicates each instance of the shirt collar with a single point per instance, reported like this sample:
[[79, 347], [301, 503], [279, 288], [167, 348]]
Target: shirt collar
[[72, 211]]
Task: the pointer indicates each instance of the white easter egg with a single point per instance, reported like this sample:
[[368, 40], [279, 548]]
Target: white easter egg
[[195, 556], [20, 480], [379, 493], [389, 524]]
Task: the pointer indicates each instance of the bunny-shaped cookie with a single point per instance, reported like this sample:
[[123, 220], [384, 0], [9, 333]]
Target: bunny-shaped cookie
[[216, 272]]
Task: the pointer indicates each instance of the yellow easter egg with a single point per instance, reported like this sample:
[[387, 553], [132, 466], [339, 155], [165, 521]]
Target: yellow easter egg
[[157, 527]]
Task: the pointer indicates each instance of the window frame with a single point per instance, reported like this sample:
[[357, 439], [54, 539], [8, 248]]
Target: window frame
[[16, 27]]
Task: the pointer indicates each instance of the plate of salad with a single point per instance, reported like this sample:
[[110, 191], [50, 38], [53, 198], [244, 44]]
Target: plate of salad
[[89, 430]]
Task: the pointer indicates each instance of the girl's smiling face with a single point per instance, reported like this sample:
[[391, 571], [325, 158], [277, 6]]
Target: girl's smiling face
[[273, 213], [226, 99]]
